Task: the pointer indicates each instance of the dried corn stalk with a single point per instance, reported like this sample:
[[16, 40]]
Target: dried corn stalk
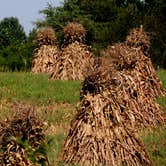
[[74, 31], [98, 136], [138, 38], [133, 60], [137, 108], [44, 59], [73, 63], [21, 135], [47, 53], [46, 36]]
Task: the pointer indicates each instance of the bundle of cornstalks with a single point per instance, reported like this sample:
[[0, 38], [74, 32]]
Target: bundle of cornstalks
[[122, 56], [47, 53], [138, 38], [132, 60], [44, 59], [21, 137], [136, 108], [98, 136], [73, 62], [74, 31], [46, 36]]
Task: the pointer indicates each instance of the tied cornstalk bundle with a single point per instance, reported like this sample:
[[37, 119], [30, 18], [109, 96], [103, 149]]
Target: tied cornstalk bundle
[[132, 60], [44, 59], [136, 109], [74, 31], [20, 137], [46, 54], [138, 38], [122, 56], [73, 63], [98, 136], [46, 36]]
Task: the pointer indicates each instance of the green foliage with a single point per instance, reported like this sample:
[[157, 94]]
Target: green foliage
[[109, 21], [16, 49], [11, 32], [155, 23], [36, 155], [105, 21], [16, 57]]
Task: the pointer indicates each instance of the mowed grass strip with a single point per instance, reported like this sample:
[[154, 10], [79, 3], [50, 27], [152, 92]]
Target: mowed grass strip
[[38, 88]]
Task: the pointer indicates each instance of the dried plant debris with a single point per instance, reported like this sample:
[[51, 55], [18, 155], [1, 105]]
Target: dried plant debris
[[44, 59], [74, 31], [21, 139], [122, 57], [46, 36], [140, 109], [98, 136], [138, 38], [73, 63], [47, 52]]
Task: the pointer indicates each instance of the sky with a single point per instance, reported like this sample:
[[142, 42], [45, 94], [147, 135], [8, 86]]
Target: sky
[[27, 11]]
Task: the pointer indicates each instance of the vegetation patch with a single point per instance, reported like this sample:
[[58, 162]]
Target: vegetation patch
[[37, 88]]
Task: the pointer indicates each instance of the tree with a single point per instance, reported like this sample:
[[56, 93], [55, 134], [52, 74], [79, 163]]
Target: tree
[[109, 21], [11, 32], [103, 20], [155, 23], [16, 49]]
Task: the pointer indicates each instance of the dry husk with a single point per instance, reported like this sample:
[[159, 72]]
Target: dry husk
[[44, 59], [132, 60], [73, 63], [138, 38], [74, 31], [25, 126], [136, 107], [99, 136], [46, 36]]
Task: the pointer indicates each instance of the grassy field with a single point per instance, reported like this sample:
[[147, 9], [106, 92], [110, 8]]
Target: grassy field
[[56, 101], [37, 88]]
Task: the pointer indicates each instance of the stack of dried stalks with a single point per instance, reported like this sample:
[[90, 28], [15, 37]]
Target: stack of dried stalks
[[76, 57], [133, 61], [74, 31], [138, 38], [47, 52], [112, 109], [46, 36], [44, 59], [137, 108], [114, 105], [99, 136], [73, 63], [20, 137]]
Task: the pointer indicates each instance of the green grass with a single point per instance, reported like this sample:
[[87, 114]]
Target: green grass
[[37, 88], [155, 142], [162, 75]]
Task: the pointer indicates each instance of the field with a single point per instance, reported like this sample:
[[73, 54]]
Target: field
[[56, 102]]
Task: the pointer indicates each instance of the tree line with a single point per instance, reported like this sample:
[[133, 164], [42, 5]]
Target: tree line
[[106, 22]]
